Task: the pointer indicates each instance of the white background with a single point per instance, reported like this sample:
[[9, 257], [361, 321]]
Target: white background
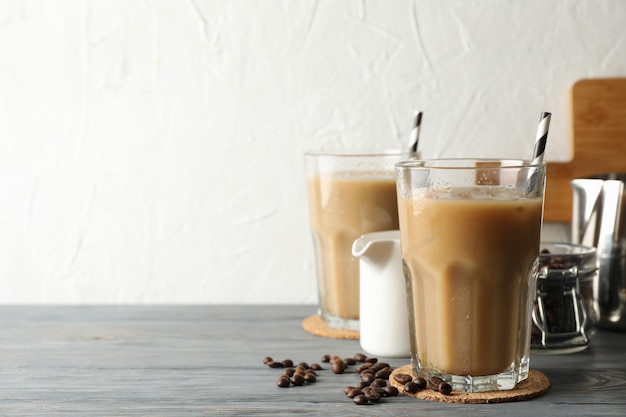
[[151, 151]]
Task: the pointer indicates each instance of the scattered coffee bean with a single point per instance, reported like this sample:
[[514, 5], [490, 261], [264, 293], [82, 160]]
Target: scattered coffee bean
[[287, 363], [354, 392], [360, 400], [402, 378], [303, 365], [338, 367], [363, 367], [309, 377], [316, 367], [411, 387], [368, 377], [445, 388], [379, 382], [372, 396], [364, 384], [267, 360], [383, 373], [348, 388], [289, 372], [283, 381], [359, 357], [371, 360], [349, 361], [433, 383], [274, 364], [420, 382], [325, 359], [297, 380], [382, 365], [391, 391]]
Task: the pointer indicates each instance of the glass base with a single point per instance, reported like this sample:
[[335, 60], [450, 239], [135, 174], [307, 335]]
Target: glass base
[[340, 322], [499, 382], [557, 350]]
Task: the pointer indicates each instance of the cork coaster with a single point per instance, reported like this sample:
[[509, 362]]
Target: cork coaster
[[535, 385], [316, 325]]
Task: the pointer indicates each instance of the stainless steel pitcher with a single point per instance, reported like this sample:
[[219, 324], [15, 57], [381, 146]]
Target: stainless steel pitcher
[[599, 220]]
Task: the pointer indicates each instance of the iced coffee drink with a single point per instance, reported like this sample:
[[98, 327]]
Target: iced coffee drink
[[470, 249], [349, 195]]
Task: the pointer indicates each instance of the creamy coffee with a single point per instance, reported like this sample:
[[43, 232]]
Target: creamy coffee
[[342, 207], [469, 254]]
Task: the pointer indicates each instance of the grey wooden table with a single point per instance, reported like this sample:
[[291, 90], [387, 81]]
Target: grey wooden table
[[207, 361]]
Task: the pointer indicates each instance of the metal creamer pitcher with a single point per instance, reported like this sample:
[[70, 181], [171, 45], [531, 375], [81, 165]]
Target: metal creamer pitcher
[[599, 220]]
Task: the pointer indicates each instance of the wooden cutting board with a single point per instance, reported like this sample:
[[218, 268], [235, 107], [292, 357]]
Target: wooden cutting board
[[599, 141]]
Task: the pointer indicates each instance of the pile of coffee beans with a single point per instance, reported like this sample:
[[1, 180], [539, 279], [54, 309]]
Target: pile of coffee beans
[[297, 375], [374, 377], [412, 386]]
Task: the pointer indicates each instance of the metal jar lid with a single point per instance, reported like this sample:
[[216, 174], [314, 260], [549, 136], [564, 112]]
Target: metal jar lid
[[564, 261]]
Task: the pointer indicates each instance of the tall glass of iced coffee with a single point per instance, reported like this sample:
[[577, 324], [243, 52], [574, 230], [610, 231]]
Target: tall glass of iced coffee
[[470, 232], [349, 194]]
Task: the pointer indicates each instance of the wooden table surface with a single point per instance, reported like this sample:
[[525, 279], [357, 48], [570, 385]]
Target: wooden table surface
[[207, 360]]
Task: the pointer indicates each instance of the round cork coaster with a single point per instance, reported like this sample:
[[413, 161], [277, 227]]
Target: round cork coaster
[[316, 325], [535, 385]]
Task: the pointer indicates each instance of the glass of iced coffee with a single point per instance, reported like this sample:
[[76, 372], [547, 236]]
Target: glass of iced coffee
[[470, 232], [350, 193]]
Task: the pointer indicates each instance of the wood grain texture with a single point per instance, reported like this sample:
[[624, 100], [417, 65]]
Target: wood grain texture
[[598, 117], [191, 360]]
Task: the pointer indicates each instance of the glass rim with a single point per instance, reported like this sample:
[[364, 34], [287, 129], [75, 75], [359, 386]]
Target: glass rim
[[467, 163], [348, 153]]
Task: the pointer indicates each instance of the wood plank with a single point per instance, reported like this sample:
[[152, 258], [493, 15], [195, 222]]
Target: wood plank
[[598, 116], [192, 360]]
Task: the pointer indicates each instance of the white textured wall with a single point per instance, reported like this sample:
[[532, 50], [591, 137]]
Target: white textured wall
[[151, 151]]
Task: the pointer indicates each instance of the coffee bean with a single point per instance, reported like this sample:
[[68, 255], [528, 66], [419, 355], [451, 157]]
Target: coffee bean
[[366, 376], [348, 388], [420, 382], [354, 392], [445, 388], [390, 390], [360, 400], [289, 372], [371, 360], [309, 377], [383, 373], [411, 387], [316, 367], [359, 357], [287, 363], [364, 384], [363, 367], [325, 359], [372, 395], [303, 365], [402, 378], [283, 381], [380, 382], [267, 360], [433, 383], [338, 367], [349, 361], [382, 365], [297, 379], [274, 364]]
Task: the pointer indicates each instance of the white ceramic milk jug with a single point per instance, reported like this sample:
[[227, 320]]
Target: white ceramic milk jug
[[383, 314]]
